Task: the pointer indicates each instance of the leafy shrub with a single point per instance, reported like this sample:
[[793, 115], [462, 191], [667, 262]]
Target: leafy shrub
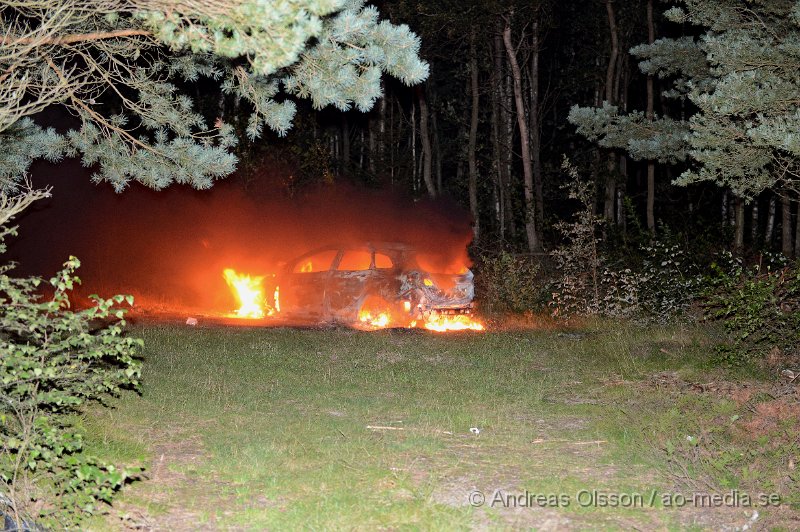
[[661, 284], [759, 306], [578, 260], [670, 281], [53, 360], [510, 283]]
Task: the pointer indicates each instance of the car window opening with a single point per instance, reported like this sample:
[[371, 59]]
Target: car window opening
[[319, 262], [383, 261], [355, 260]]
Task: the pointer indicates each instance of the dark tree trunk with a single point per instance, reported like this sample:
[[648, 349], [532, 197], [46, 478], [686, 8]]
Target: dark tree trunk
[[437, 154], [738, 238], [361, 144], [414, 173], [497, 151], [651, 165], [786, 224], [345, 144], [535, 127], [425, 137], [507, 138], [527, 167], [770, 229], [394, 135], [372, 154], [382, 133], [610, 96], [724, 208], [473, 137], [796, 253]]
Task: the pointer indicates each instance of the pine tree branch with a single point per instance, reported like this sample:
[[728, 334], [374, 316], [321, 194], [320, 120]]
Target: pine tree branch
[[57, 40], [99, 118], [13, 204]]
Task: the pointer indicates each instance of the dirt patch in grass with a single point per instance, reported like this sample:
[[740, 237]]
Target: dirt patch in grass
[[769, 415], [389, 357], [493, 470], [173, 480], [741, 392], [750, 442]]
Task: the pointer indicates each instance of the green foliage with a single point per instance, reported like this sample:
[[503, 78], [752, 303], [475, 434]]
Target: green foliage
[[662, 140], [656, 283], [24, 143], [578, 259], [137, 124], [744, 135], [345, 67], [270, 34], [759, 307], [670, 279], [510, 283], [657, 288], [741, 75], [53, 360]]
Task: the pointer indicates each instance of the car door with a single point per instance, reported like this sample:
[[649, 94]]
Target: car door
[[348, 283], [304, 289]]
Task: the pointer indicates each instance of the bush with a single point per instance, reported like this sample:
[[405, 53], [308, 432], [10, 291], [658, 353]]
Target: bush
[[510, 283], [52, 361], [759, 306], [658, 284], [578, 260], [670, 280]]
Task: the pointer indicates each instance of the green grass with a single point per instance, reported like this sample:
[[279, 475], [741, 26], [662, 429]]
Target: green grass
[[268, 428]]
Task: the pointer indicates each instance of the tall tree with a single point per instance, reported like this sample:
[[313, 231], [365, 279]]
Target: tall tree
[[611, 98], [534, 243], [651, 165], [534, 111], [787, 247], [425, 137], [501, 143], [473, 137]]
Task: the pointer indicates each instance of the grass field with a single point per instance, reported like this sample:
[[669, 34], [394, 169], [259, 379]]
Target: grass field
[[600, 426]]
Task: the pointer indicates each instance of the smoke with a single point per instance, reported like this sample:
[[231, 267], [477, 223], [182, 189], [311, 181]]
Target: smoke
[[169, 248]]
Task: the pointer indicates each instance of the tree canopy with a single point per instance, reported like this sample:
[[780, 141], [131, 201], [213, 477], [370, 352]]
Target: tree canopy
[[741, 77], [122, 68]]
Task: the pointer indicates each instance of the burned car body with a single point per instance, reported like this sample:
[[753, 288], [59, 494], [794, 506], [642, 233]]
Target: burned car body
[[378, 283]]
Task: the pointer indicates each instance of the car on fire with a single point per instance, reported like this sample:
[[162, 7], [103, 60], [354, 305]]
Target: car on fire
[[375, 284]]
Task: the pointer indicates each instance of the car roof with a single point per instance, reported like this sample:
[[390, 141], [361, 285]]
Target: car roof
[[395, 249], [367, 245]]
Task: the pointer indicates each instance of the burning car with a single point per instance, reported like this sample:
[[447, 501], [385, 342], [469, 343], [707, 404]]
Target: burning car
[[375, 285]]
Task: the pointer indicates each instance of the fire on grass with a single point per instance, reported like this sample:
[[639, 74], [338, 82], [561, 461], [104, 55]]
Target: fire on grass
[[253, 304]]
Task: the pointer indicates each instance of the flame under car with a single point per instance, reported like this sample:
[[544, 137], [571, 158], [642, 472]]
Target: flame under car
[[374, 285]]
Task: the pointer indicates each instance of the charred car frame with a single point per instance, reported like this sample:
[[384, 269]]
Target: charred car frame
[[343, 283]]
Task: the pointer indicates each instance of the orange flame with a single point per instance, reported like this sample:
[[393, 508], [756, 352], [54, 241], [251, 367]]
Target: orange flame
[[377, 314], [249, 293], [456, 322], [378, 321]]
